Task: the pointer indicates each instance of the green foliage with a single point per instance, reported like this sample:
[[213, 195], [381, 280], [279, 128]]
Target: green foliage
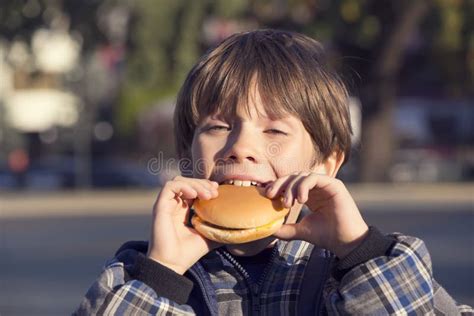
[[133, 100], [451, 24], [230, 8], [153, 37], [369, 31], [167, 37], [165, 44], [188, 48]]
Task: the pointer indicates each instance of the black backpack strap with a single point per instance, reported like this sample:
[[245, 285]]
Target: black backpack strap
[[315, 276]]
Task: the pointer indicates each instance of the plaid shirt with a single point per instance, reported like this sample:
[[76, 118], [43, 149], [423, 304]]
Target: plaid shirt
[[400, 283]]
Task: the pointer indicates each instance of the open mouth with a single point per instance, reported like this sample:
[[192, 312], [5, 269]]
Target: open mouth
[[244, 183]]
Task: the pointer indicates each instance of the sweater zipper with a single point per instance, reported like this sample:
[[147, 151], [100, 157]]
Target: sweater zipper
[[255, 287]]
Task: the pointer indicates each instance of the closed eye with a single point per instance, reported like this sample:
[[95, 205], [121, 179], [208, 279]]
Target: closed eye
[[218, 128], [275, 131]]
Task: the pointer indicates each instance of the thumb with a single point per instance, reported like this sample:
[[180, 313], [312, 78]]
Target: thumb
[[288, 232], [207, 244]]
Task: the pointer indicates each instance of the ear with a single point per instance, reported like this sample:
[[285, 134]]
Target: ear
[[331, 165]]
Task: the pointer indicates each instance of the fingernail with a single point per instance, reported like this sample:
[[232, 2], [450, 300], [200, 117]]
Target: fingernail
[[269, 189], [300, 199]]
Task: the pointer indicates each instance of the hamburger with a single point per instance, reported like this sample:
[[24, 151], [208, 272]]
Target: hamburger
[[238, 215]]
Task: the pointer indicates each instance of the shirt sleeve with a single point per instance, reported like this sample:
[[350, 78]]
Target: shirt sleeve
[[121, 289], [399, 282]]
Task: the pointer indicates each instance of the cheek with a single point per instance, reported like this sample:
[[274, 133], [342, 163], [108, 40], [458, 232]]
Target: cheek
[[197, 153], [309, 155], [295, 156], [285, 163], [204, 148], [202, 154], [196, 149]]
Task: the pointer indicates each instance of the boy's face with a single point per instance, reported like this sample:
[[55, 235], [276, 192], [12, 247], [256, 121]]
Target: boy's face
[[251, 146]]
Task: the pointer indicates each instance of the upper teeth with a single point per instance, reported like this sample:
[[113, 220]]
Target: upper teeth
[[242, 183]]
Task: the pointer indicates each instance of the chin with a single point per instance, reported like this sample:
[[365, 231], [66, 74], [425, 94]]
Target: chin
[[251, 248]]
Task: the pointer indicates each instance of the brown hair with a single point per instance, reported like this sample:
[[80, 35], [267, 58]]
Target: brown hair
[[291, 75]]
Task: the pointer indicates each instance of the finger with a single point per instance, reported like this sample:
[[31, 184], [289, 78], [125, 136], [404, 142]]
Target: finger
[[204, 188], [205, 183], [292, 190], [324, 181], [173, 189], [327, 187], [277, 188], [272, 189], [288, 232], [180, 191], [308, 183], [214, 184], [204, 243], [179, 195], [208, 185]]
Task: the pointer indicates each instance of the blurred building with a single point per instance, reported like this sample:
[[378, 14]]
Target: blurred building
[[95, 81], [57, 98], [435, 140]]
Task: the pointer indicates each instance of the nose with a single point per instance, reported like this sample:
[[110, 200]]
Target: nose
[[242, 146]]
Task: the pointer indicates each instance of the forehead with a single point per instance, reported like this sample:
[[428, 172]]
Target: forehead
[[253, 103], [282, 67]]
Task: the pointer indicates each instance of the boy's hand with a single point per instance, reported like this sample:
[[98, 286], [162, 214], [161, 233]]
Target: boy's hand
[[172, 243], [335, 222]]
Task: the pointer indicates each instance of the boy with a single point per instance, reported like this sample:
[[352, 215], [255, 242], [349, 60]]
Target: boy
[[263, 107]]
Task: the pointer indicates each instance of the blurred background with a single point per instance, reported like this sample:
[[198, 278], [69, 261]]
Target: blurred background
[[87, 91]]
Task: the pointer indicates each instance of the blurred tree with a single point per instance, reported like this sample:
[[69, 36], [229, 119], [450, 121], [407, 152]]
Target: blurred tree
[[378, 95], [165, 42], [389, 36], [19, 19], [385, 48]]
